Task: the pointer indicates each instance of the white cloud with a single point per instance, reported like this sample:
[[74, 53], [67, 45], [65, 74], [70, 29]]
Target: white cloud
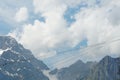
[[8, 11], [98, 24], [49, 35], [44, 36], [94, 23], [114, 16], [48, 5], [22, 14]]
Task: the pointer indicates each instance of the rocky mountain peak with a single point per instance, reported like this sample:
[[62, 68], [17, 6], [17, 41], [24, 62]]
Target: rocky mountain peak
[[17, 61], [7, 42]]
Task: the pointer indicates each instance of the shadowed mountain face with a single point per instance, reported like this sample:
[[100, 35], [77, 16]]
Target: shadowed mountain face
[[18, 63], [106, 69]]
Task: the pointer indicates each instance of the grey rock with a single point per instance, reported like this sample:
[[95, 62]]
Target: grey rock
[[18, 63]]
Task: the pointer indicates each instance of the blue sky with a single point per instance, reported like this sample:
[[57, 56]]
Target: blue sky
[[56, 29], [5, 28]]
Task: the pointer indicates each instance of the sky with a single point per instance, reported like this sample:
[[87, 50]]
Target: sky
[[60, 32]]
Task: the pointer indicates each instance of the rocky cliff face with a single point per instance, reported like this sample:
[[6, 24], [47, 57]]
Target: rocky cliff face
[[18, 63], [106, 69]]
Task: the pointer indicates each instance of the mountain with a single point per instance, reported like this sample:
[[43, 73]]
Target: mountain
[[18, 63], [106, 69], [75, 71]]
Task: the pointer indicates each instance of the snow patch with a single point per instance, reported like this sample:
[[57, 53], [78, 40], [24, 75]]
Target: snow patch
[[29, 61], [10, 74], [24, 68], [1, 51], [12, 60], [18, 69]]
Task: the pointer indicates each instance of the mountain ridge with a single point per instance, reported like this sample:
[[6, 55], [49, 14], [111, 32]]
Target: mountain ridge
[[106, 69], [18, 63]]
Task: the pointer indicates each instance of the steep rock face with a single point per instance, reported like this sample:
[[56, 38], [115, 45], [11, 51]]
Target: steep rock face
[[106, 69], [18, 63]]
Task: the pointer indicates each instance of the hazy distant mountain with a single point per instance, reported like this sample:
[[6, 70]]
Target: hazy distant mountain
[[106, 69], [18, 63], [73, 72]]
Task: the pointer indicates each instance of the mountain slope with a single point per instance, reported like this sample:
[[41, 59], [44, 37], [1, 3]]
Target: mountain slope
[[73, 72], [18, 63], [106, 69]]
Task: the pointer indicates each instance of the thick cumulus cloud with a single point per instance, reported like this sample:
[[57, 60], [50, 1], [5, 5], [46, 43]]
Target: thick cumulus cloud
[[47, 36], [97, 22]]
